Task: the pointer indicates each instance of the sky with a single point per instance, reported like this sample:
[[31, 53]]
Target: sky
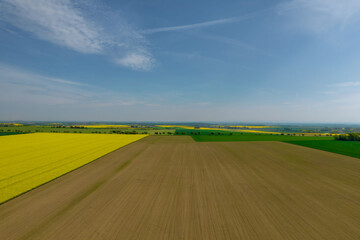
[[166, 60]]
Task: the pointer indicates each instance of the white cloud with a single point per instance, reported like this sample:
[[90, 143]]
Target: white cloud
[[136, 61], [63, 23], [55, 21], [320, 16]]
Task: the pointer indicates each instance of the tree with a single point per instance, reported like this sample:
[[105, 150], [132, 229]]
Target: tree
[[353, 137], [348, 137]]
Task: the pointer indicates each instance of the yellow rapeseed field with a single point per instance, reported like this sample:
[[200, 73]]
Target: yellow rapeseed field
[[103, 126], [214, 128], [252, 126], [29, 160], [189, 127], [247, 129], [256, 131], [12, 124], [175, 126], [278, 133]]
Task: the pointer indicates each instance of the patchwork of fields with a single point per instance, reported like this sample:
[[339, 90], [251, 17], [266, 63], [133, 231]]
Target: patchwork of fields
[[29, 160], [176, 188], [348, 148]]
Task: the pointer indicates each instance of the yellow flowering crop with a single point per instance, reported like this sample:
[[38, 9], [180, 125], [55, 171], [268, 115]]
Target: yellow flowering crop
[[255, 131], [102, 126], [177, 126], [188, 127], [13, 124], [29, 160], [252, 126]]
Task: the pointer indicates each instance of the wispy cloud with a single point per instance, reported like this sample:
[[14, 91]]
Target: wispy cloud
[[203, 24], [24, 87], [192, 56], [346, 84], [190, 26], [197, 56], [344, 98], [320, 16], [63, 23], [55, 21], [234, 42]]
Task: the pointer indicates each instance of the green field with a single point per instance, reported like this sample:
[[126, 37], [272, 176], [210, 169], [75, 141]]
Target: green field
[[255, 137], [347, 148], [182, 131], [341, 147]]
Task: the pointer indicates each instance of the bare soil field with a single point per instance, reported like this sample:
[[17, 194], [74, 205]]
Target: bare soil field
[[175, 188]]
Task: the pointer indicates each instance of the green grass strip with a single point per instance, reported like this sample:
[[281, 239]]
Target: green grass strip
[[9, 133], [253, 137], [347, 148]]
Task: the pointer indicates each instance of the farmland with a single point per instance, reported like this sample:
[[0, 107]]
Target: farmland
[[179, 120], [254, 137], [170, 129], [324, 143], [29, 160], [176, 188], [188, 130], [341, 147], [101, 126]]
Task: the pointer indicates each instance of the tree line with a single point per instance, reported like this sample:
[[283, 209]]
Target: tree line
[[348, 137]]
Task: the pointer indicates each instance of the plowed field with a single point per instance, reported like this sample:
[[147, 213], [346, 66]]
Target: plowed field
[[175, 188]]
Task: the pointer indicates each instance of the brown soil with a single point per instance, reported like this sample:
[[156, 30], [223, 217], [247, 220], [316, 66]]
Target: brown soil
[[174, 188]]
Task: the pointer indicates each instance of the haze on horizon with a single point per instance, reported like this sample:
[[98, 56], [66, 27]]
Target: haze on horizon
[[261, 61]]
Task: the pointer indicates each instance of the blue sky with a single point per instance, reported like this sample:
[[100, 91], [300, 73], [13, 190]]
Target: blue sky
[[262, 61]]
